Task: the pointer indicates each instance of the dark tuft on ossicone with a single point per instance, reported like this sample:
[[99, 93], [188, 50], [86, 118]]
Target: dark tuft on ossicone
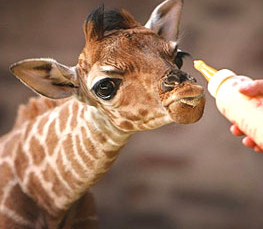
[[117, 19], [96, 17], [109, 21]]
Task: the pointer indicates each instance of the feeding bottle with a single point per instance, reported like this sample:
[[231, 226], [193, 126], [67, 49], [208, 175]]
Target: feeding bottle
[[246, 112]]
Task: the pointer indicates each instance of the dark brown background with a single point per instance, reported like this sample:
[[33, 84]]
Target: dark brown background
[[181, 176]]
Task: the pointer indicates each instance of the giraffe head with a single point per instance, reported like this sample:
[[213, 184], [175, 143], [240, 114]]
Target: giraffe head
[[128, 71]]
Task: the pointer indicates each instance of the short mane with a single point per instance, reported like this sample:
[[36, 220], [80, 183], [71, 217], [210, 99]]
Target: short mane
[[35, 107]]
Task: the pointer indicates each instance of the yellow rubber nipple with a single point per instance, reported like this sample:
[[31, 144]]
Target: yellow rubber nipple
[[206, 70]]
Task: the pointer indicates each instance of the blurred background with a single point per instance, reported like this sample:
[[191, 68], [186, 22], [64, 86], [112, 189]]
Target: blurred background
[[194, 176]]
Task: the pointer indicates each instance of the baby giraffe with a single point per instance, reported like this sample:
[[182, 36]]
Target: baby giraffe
[[127, 79]]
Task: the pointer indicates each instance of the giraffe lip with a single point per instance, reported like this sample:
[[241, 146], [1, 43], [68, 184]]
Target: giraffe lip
[[192, 101]]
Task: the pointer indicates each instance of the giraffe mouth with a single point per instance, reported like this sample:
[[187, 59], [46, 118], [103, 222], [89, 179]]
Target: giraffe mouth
[[192, 101], [185, 104]]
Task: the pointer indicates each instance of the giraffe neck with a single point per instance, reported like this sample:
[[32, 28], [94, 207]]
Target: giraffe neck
[[64, 152]]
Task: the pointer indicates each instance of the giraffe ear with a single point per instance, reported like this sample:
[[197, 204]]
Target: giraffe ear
[[46, 77], [165, 19]]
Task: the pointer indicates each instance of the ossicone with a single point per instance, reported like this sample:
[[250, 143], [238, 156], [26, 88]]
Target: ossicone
[[100, 22]]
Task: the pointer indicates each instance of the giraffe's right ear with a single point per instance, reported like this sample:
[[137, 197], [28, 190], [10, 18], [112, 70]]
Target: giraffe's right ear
[[165, 19], [46, 77]]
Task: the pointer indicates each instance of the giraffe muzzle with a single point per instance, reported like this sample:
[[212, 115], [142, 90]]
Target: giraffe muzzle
[[184, 99]]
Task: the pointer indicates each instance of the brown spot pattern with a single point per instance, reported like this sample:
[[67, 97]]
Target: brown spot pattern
[[68, 148], [99, 137], [86, 159], [88, 144], [143, 112], [41, 124], [67, 175], [6, 176], [74, 119], [127, 125], [52, 138], [111, 153], [50, 176], [21, 162], [63, 118], [37, 151], [82, 113], [40, 195]]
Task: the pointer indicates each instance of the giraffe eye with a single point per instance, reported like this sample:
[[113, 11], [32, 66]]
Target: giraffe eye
[[106, 88], [178, 60]]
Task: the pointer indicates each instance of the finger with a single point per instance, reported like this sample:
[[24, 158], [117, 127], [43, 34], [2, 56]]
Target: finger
[[248, 142], [252, 88], [236, 131]]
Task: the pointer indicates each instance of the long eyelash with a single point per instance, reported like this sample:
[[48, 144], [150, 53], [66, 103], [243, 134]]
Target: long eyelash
[[182, 54], [178, 60]]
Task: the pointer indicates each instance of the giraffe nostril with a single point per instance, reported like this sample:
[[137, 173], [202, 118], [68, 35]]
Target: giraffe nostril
[[169, 82], [174, 78], [166, 87], [178, 76]]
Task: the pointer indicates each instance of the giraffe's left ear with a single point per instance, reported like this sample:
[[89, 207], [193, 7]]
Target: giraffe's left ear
[[46, 77], [165, 19]]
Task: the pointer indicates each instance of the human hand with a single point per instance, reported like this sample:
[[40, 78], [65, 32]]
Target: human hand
[[247, 141], [249, 88]]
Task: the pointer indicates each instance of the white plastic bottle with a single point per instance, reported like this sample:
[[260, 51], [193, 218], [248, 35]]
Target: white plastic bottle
[[246, 112]]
